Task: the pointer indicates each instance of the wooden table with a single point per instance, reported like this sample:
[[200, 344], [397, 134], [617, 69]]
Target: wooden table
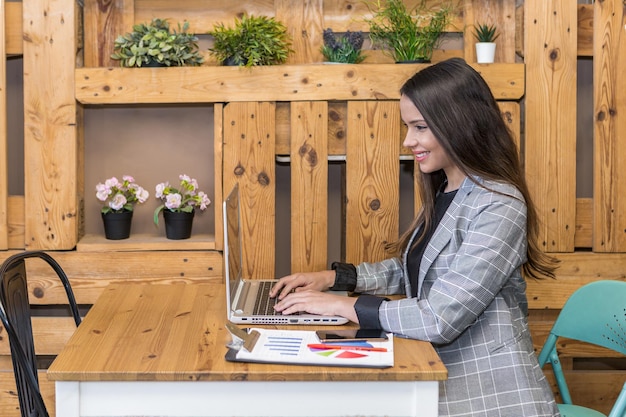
[[159, 350]]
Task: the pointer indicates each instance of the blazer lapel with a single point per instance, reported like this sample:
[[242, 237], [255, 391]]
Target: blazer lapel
[[443, 233]]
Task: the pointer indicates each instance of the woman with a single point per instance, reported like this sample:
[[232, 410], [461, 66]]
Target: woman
[[461, 261]]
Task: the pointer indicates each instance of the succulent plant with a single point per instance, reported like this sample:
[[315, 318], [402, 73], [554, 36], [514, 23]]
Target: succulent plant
[[485, 33]]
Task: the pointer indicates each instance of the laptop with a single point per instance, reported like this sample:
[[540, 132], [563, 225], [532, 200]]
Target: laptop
[[248, 301]]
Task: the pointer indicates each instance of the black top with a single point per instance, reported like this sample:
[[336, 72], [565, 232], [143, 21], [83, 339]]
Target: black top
[[414, 258]]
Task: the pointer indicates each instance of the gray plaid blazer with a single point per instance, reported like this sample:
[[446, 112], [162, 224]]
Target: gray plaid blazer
[[472, 305]]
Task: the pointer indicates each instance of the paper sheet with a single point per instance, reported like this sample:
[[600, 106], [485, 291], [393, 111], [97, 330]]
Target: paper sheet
[[290, 346]]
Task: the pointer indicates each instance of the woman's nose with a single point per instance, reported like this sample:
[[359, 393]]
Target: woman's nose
[[408, 142]]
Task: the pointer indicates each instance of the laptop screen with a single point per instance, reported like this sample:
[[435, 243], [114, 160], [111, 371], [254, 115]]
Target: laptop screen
[[232, 242]]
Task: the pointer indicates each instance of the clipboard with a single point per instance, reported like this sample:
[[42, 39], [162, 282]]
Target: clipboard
[[257, 345]]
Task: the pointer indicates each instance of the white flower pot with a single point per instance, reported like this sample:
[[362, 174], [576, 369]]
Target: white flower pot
[[485, 52]]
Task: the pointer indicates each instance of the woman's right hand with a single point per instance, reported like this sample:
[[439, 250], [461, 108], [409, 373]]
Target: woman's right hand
[[303, 281]]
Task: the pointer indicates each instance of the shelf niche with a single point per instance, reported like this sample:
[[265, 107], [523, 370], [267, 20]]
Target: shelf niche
[[154, 144]]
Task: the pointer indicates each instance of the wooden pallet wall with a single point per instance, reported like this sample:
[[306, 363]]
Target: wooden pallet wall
[[4, 184], [308, 113]]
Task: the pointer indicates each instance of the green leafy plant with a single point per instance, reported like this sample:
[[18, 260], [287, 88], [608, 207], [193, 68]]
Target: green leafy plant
[[155, 45], [408, 34], [344, 48], [254, 40], [485, 33]]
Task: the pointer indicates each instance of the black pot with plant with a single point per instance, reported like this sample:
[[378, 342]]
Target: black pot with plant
[[344, 48], [254, 40], [153, 44], [408, 35]]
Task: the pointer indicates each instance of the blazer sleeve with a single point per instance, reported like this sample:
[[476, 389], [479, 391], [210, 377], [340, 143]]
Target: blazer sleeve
[[385, 277], [487, 245]]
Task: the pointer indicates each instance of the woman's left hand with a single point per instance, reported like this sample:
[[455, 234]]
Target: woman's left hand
[[316, 302]]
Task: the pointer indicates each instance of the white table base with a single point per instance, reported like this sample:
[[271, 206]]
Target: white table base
[[246, 398]]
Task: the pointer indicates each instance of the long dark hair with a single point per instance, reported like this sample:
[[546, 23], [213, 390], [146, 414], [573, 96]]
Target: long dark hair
[[460, 110]]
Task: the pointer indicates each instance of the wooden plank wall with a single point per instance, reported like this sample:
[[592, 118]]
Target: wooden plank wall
[[609, 67], [314, 112], [4, 183]]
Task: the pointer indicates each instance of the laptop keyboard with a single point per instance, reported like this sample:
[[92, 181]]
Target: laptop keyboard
[[264, 305]]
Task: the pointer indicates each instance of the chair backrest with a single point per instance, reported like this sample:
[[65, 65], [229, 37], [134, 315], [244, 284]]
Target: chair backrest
[[596, 314], [15, 316]]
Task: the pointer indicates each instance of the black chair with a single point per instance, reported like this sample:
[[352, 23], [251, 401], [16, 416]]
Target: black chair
[[15, 315]]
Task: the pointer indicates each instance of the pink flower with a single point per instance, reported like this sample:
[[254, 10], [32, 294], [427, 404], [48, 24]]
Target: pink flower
[[185, 198], [120, 196]]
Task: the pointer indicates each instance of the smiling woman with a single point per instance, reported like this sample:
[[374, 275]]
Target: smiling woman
[[89, 121], [460, 263]]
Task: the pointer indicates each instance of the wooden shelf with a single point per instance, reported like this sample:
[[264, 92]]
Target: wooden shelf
[[144, 242], [217, 84]]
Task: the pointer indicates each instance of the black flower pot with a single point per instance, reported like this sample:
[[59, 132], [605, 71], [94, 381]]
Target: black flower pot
[[414, 61], [117, 225], [178, 224], [234, 61]]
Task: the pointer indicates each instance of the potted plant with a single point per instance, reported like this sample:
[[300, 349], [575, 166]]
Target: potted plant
[[153, 44], [408, 35], [486, 36], [254, 40], [179, 205], [344, 48], [120, 198]]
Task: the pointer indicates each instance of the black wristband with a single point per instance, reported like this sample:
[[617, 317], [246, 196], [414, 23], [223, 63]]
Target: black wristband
[[366, 308], [345, 277]]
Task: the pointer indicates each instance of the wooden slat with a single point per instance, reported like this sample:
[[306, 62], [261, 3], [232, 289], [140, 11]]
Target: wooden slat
[[372, 178], [218, 140], [609, 129], [51, 334], [249, 150], [268, 83], [584, 223], [50, 137], [202, 15], [493, 12], [597, 390], [337, 126], [9, 403], [575, 270], [309, 186], [144, 242], [512, 115], [16, 222], [550, 131], [351, 14], [303, 20], [90, 272], [13, 28], [105, 20], [585, 30], [4, 182]]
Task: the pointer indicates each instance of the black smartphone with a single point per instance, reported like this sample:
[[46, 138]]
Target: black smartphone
[[328, 336]]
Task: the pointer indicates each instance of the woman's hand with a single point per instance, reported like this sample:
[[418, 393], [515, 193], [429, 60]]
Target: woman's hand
[[316, 302], [303, 281]]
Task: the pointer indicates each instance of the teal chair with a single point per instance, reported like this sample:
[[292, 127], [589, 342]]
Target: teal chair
[[596, 314]]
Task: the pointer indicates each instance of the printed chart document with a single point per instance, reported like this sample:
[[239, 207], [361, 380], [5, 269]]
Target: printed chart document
[[302, 347]]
